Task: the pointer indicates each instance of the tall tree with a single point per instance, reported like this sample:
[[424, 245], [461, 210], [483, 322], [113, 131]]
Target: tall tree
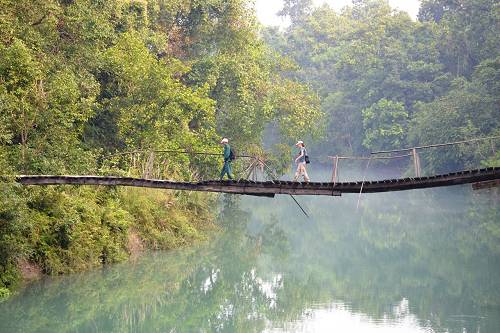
[[469, 31]]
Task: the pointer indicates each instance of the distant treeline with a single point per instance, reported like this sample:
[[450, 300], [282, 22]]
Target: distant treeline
[[386, 81]]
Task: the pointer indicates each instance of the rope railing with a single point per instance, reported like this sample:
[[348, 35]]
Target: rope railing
[[151, 164], [435, 145], [257, 162], [413, 153], [337, 159], [188, 152], [367, 157]]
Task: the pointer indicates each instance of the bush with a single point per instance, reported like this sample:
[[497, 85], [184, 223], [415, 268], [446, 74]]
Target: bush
[[69, 229], [4, 293]]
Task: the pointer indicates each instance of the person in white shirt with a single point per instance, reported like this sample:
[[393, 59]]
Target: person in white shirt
[[300, 160]]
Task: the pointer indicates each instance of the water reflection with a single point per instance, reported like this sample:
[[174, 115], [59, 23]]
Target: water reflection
[[344, 320], [421, 261]]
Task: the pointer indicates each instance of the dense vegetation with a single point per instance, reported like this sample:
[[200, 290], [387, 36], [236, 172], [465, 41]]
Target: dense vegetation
[[80, 80], [386, 81]]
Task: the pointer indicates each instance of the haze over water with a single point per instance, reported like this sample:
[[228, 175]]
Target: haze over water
[[417, 261]]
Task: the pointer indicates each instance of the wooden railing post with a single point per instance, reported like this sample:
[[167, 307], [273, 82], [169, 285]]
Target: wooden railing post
[[416, 162], [335, 169], [148, 169]]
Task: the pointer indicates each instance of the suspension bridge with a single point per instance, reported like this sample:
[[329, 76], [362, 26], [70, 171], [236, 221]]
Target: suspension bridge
[[479, 178], [273, 187]]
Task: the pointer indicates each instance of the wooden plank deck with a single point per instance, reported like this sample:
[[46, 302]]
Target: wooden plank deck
[[270, 188], [486, 184]]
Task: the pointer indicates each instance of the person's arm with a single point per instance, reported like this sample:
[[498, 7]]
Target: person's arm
[[227, 151], [300, 155]]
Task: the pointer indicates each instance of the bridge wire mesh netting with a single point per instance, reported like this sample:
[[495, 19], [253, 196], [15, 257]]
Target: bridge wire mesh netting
[[420, 161], [391, 164], [157, 164], [473, 148], [253, 166], [142, 163]]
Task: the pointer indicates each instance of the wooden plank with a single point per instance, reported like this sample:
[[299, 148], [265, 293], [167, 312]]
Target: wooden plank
[[443, 180], [486, 184]]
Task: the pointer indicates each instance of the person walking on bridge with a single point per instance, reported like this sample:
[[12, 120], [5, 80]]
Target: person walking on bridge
[[228, 158], [301, 161]]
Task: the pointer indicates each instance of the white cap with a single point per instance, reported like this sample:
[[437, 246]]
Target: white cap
[[224, 140], [299, 143]]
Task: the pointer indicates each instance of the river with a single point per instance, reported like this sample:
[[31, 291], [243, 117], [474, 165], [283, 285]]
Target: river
[[416, 261]]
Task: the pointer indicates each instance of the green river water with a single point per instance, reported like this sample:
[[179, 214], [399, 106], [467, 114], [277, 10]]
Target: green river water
[[417, 261]]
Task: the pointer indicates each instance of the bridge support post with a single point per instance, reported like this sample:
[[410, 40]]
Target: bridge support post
[[335, 168], [148, 168], [416, 162]]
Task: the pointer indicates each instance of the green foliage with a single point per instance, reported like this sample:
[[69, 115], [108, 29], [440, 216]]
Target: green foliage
[[355, 60], [493, 161], [385, 81], [468, 110], [63, 230], [145, 95], [158, 225], [251, 90], [297, 111], [14, 226], [384, 123], [468, 34], [80, 80], [296, 10], [4, 293], [279, 158]]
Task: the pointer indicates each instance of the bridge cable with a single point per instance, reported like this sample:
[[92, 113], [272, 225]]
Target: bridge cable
[[363, 183], [302, 209], [436, 145], [275, 176], [187, 152]]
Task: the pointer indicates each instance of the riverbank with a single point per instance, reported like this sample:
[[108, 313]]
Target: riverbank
[[61, 230]]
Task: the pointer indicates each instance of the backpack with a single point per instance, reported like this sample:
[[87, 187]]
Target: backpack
[[306, 157], [232, 155]]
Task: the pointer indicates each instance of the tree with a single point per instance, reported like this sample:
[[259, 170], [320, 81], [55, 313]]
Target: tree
[[469, 31], [83, 83], [359, 57], [296, 10], [370, 53], [385, 124], [469, 110]]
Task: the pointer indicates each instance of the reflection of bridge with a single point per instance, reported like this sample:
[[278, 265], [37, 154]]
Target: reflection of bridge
[[485, 177]]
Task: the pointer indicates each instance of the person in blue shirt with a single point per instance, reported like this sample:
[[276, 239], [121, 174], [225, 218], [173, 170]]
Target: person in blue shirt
[[300, 160], [226, 169]]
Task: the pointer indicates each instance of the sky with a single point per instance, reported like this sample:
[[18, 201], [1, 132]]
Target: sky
[[267, 9]]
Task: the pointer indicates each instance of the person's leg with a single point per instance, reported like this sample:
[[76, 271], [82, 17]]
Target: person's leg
[[300, 170], [229, 170], [297, 173], [304, 172], [223, 171]]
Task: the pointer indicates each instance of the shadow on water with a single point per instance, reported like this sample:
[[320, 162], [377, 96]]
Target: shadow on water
[[416, 261]]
